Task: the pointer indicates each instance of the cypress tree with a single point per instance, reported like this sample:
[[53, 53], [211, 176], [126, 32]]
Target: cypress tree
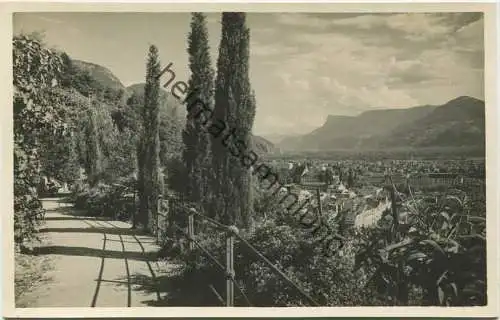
[[143, 201], [149, 148], [234, 106], [93, 153], [196, 153]]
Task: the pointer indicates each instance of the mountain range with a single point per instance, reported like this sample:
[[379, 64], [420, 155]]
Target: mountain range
[[106, 78], [458, 123]]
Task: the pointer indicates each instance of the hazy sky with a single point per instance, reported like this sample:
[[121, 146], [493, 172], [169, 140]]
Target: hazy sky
[[303, 67]]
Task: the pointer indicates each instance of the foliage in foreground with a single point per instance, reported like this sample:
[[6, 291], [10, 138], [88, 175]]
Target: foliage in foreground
[[434, 255], [438, 248], [328, 279], [36, 114], [50, 130]]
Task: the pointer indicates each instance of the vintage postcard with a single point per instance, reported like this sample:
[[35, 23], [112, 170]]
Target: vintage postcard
[[244, 159]]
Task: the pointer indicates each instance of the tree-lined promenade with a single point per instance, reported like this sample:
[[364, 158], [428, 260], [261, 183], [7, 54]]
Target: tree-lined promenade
[[130, 158]]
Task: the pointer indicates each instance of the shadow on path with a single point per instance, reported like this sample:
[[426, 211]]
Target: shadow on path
[[62, 218], [77, 214], [116, 231], [173, 290], [89, 254], [98, 253]]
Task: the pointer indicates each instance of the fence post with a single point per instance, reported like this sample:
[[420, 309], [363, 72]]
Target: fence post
[[134, 209], [157, 222], [230, 267], [191, 230]]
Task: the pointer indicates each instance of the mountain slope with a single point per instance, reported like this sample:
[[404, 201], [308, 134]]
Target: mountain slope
[[259, 144], [262, 146], [102, 74], [348, 132], [171, 103], [171, 106], [459, 122]]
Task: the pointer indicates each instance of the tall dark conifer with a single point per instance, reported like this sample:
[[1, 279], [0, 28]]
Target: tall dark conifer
[[235, 107], [196, 154], [149, 151], [93, 154]]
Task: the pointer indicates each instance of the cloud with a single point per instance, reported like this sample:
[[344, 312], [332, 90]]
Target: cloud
[[57, 22], [414, 25], [303, 66], [266, 50], [51, 20], [348, 64], [213, 18], [408, 72], [469, 38], [300, 20], [262, 31]]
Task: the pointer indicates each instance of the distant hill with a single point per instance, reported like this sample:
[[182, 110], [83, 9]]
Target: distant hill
[[262, 146], [166, 98], [102, 74], [171, 104], [259, 144], [460, 122], [138, 88], [276, 138]]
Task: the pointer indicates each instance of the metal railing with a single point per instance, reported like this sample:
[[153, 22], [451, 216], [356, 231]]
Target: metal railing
[[231, 234]]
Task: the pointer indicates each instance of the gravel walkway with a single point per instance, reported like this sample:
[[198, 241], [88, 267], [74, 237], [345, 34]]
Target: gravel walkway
[[94, 263]]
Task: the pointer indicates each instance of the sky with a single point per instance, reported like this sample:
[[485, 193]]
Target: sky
[[303, 66]]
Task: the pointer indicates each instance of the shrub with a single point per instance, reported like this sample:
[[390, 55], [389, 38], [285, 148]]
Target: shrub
[[439, 251], [36, 114], [327, 279], [434, 256], [105, 200]]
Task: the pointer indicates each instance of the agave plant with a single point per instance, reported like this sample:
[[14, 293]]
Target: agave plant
[[439, 250]]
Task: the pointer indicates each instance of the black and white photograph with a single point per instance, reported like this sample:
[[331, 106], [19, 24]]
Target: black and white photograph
[[246, 158]]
